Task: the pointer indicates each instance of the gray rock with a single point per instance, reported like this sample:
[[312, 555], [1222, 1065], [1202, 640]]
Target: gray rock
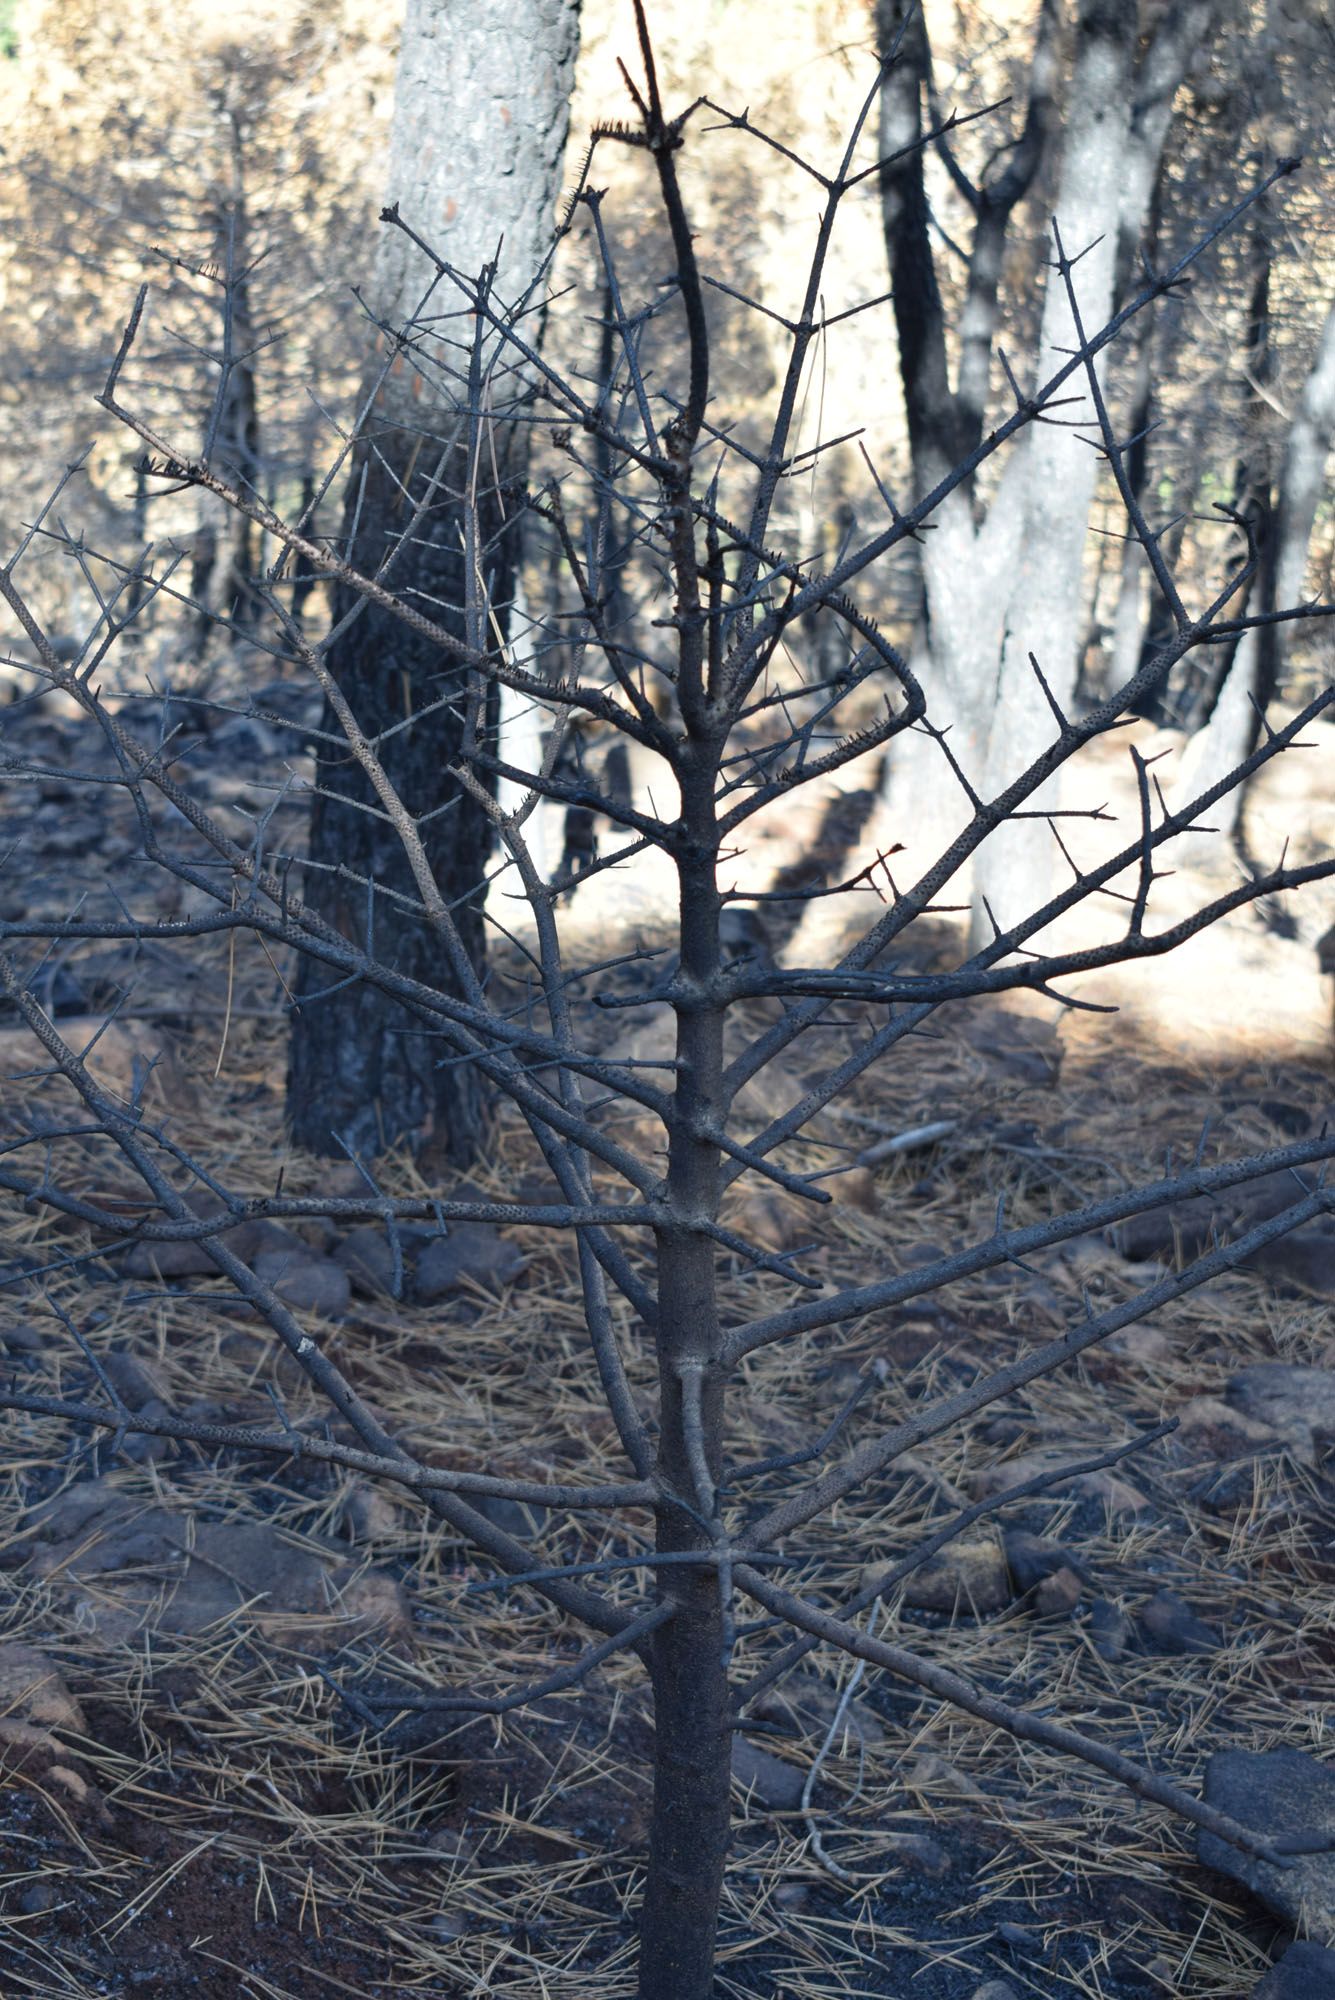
[[528, 1762], [1020, 1937], [367, 1256], [1209, 1428], [1297, 1402], [968, 1575], [1294, 1120], [1118, 1494], [1030, 1558], [369, 1514], [66, 1513], [56, 990], [135, 1380], [256, 1234], [473, 1252], [807, 1705], [1022, 1046], [133, 1568], [1167, 1624], [38, 1898], [1325, 952], [1057, 1595], [23, 1340], [1306, 1972], [190, 1259], [1305, 1259], [169, 1260], [1277, 1792], [146, 1447], [765, 1777], [513, 1517], [1110, 1629], [995, 1989], [290, 700], [1186, 1225], [1226, 1490], [306, 1283]]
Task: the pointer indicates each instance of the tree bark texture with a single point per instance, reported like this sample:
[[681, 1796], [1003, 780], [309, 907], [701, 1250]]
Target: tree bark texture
[[1303, 474], [688, 1839], [963, 559], [1258, 659], [1001, 584], [1059, 470], [232, 441], [481, 109]]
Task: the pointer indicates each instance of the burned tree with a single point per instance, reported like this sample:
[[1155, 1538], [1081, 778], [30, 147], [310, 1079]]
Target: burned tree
[[642, 1150], [481, 106], [1003, 579]]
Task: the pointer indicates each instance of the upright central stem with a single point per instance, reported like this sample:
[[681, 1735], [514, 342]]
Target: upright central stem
[[688, 1840]]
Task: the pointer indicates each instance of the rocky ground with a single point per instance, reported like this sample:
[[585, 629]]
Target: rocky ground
[[199, 1795]]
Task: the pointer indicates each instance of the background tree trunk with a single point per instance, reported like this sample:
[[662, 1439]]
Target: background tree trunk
[[1058, 470], [1302, 479], [1285, 527], [1012, 579], [480, 117], [963, 560]]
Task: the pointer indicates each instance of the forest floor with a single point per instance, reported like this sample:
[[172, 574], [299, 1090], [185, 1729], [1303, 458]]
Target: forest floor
[[195, 1800]]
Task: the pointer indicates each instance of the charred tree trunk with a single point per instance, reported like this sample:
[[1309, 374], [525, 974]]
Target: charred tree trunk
[[361, 1071], [305, 576], [233, 441], [688, 1837], [480, 115], [688, 1840]]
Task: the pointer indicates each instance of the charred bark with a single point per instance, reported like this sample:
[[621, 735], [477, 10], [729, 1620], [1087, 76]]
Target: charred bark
[[481, 108], [362, 1073]]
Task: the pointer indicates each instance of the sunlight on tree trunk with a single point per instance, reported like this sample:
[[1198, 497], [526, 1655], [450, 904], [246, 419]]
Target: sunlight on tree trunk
[[480, 116], [1057, 470]]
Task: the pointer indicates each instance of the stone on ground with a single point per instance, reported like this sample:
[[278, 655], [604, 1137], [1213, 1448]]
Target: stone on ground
[[1277, 1792], [1306, 1972]]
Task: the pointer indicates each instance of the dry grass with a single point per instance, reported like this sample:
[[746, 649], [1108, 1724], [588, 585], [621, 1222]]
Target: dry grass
[[252, 1822]]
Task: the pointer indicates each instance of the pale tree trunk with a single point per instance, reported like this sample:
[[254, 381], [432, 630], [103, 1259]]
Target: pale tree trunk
[[1184, 28], [1280, 528], [995, 584], [1058, 469], [1231, 732], [963, 560], [1303, 474], [964, 568], [481, 109]]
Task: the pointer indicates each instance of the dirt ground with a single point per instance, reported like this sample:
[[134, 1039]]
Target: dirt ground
[[199, 1804]]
